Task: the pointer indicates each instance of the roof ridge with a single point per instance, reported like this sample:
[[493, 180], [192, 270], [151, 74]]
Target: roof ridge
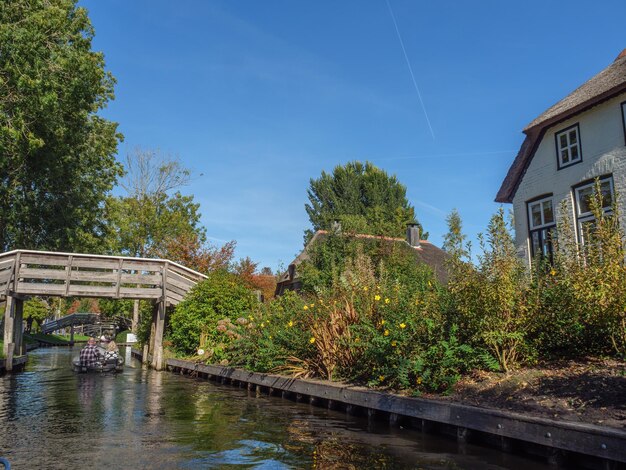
[[605, 85], [545, 116]]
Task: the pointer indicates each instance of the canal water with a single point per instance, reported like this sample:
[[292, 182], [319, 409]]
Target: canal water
[[52, 418]]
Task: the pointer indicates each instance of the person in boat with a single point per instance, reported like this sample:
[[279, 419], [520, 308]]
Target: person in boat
[[90, 355], [112, 353]]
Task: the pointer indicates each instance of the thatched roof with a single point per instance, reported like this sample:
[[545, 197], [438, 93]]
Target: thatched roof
[[425, 253], [604, 86]]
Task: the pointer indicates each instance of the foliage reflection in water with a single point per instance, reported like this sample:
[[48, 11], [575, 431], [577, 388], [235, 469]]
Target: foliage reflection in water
[[53, 418]]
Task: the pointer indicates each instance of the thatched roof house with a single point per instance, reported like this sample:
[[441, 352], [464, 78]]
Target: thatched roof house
[[425, 252]]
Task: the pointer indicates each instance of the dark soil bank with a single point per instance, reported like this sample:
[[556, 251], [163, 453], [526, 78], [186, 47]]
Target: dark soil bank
[[589, 390]]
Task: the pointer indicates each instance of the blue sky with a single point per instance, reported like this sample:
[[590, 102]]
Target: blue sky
[[257, 97]]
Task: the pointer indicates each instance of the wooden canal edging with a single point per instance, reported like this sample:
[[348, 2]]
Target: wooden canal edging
[[17, 363], [560, 442]]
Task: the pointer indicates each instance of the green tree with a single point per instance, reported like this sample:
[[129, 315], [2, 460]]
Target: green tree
[[143, 226], [58, 156], [455, 243], [363, 198], [36, 310], [151, 212]]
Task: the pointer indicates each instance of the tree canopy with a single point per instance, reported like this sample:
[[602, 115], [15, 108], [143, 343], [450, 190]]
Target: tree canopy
[[58, 156], [363, 198], [155, 220]]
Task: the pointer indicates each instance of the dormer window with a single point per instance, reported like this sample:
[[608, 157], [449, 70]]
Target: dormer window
[[568, 147]]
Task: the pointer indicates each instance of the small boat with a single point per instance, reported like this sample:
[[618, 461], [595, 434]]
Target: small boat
[[112, 365]]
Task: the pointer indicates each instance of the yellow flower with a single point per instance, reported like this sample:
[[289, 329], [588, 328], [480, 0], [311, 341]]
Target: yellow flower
[[386, 333], [402, 325], [386, 301], [312, 305], [251, 317], [393, 344], [382, 322], [553, 272], [377, 297], [357, 340], [312, 340], [417, 302], [270, 336], [290, 324], [429, 284], [419, 380], [365, 288], [381, 378], [305, 307], [262, 325]]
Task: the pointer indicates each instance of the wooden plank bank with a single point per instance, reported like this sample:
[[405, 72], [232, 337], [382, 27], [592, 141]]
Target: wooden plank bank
[[567, 444], [18, 364]]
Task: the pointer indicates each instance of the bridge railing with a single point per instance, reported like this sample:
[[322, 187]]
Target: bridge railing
[[69, 320], [26, 272]]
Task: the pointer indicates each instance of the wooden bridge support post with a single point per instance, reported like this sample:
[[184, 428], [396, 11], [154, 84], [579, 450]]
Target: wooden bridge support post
[[8, 325], [13, 328], [149, 348], [18, 325], [72, 334], [135, 322], [159, 329]]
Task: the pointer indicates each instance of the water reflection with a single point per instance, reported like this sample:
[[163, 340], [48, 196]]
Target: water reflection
[[53, 418]]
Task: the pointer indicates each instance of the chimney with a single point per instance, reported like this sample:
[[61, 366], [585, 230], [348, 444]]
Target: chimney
[[413, 235]]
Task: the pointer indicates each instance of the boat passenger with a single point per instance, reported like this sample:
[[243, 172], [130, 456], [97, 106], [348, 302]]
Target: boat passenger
[[112, 353], [90, 355]]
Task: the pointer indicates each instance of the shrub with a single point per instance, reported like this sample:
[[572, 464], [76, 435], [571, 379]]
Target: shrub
[[490, 302], [222, 295], [581, 300], [272, 336]]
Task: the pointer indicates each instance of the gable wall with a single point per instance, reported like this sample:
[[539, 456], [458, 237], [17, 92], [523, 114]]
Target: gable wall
[[603, 152]]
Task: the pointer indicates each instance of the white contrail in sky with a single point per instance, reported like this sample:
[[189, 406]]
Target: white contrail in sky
[[419, 95]]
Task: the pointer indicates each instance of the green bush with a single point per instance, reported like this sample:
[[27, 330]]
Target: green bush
[[380, 324], [194, 322], [581, 300], [490, 302], [272, 337]]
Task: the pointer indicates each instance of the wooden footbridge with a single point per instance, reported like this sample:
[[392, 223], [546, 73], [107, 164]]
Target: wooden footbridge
[[25, 273]]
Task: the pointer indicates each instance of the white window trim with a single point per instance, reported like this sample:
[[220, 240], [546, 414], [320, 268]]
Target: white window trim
[[582, 217], [543, 229], [568, 147], [530, 214]]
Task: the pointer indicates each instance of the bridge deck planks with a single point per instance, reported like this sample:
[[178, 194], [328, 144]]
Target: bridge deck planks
[[84, 275]]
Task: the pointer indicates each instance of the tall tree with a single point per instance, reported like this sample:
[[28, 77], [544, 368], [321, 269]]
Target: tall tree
[[57, 156], [455, 240], [153, 211], [363, 198]]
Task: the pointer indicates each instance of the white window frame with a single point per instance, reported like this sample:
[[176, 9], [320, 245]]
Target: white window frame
[[587, 216], [543, 231], [568, 147]]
